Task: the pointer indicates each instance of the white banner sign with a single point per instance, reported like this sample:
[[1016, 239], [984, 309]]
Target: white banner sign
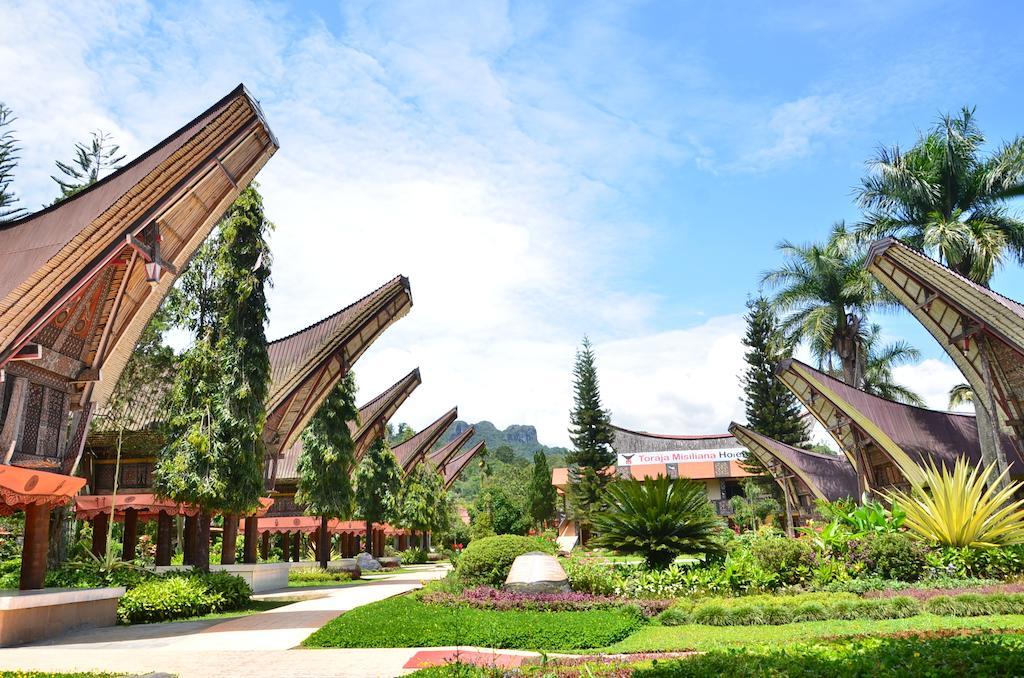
[[682, 456]]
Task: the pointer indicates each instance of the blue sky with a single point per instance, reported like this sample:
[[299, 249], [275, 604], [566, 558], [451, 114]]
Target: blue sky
[[539, 170]]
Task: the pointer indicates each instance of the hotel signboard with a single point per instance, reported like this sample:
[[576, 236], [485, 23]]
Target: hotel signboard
[[682, 456]]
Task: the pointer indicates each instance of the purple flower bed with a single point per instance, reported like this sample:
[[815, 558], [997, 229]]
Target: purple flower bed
[[928, 594], [487, 598]]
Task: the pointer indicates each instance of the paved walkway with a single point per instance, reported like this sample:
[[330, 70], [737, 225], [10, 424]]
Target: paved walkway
[[256, 645]]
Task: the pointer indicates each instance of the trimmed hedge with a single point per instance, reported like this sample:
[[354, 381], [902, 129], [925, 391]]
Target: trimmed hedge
[[316, 575], [971, 655], [406, 622], [486, 562], [182, 595]]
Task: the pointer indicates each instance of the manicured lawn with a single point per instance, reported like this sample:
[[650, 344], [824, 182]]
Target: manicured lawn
[[697, 637], [406, 622]]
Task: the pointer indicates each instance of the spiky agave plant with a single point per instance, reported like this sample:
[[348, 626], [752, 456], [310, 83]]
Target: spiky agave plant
[[659, 519], [962, 507]]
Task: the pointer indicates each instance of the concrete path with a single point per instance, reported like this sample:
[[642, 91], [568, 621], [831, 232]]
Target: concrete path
[[256, 645]]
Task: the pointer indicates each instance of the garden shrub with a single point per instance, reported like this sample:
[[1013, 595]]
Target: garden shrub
[[775, 610], [316, 575], [405, 621], [921, 593], [976, 604], [890, 555], [867, 584], [791, 560], [486, 562], [487, 598], [234, 591], [587, 575], [414, 557], [165, 599], [1000, 562]]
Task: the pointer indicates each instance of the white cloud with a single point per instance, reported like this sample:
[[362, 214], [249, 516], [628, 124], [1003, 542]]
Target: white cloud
[[931, 379]]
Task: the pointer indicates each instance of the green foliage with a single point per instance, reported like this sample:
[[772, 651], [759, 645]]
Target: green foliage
[[8, 161], [486, 562], [181, 595], [316, 575], [775, 610], [592, 437], [659, 519], [423, 501], [414, 556], [792, 560], [771, 408], [328, 455], [970, 655], [889, 555], [99, 156], [542, 494], [1001, 563], [587, 575], [501, 506], [753, 508], [378, 482], [942, 196], [407, 622]]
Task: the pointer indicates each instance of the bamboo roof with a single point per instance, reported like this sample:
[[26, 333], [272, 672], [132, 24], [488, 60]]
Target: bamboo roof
[[414, 450], [821, 475], [373, 416], [440, 456], [456, 466], [974, 325], [891, 434], [70, 272], [306, 365]]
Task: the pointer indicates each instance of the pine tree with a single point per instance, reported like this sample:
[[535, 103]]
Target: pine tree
[[215, 452], [8, 161], [91, 161], [591, 435], [327, 460], [542, 495], [771, 408], [378, 483]]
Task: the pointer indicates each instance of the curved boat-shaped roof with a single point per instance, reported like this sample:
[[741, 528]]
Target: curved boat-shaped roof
[[824, 476], [413, 450], [902, 433], [456, 466], [973, 324], [306, 365], [441, 456], [372, 418]]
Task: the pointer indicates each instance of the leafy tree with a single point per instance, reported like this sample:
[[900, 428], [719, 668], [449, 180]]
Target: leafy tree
[[423, 503], [879, 362], [542, 494], [502, 502], [754, 506], [91, 161], [378, 483], [826, 293], [504, 454], [8, 161], [944, 197], [327, 460], [771, 407], [592, 438], [399, 433], [215, 451], [659, 519]]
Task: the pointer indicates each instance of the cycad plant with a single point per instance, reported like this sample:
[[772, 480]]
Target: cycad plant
[[962, 507], [659, 519]]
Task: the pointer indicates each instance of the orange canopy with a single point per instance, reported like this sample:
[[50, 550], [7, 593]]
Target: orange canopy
[[148, 505], [23, 487], [310, 524]]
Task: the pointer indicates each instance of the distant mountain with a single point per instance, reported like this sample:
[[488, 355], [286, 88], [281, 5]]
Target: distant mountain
[[521, 438]]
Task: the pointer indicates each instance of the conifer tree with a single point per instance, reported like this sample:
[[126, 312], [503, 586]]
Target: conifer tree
[[327, 460], [591, 435], [771, 408], [91, 161], [215, 452], [378, 483], [8, 161], [542, 494]]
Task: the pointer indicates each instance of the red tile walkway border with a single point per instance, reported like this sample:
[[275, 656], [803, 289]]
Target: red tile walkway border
[[426, 658]]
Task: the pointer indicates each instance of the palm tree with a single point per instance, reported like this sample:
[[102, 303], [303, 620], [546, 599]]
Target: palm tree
[[943, 197], [879, 362], [825, 294], [961, 394]]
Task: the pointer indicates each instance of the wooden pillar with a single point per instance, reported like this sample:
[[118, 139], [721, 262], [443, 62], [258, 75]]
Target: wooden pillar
[[252, 530], [131, 534], [164, 527], [35, 547], [403, 542], [297, 547], [229, 539], [264, 543], [99, 534], [286, 546], [189, 538], [201, 551], [324, 548]]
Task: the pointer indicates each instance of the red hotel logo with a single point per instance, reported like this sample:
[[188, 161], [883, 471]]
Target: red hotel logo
[[681, 456]]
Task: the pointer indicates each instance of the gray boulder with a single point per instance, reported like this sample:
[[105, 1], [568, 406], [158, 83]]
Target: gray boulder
[[367, 563], [537, 572], [389, 562]]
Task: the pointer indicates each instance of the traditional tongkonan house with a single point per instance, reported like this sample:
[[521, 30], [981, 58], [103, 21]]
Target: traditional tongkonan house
[[439, 457], [288, 519], [452, 468], [980, 330], [803, 476], [79, 281], [414, 450], [880, 437]]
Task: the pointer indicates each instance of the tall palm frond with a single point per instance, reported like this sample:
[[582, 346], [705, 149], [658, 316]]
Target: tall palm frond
[[961, 394]]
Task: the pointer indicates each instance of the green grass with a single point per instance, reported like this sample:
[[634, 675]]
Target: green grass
[[406, 622], [43, 674], [697, 637]]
